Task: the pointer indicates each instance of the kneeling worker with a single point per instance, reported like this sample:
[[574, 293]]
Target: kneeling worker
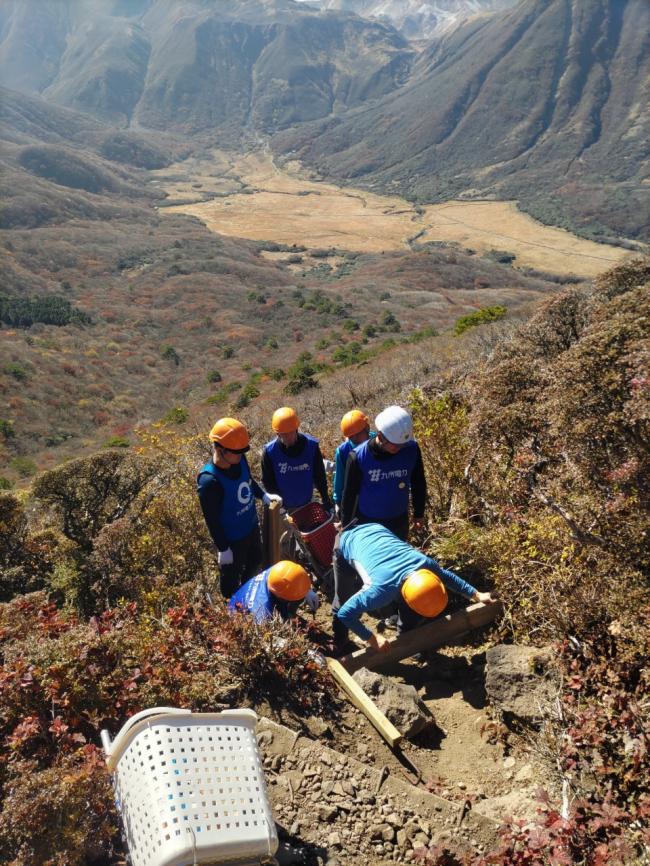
[[280, 588], [227, 493], [374, 569]]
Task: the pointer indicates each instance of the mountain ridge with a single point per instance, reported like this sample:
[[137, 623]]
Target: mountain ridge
[[548, 94]]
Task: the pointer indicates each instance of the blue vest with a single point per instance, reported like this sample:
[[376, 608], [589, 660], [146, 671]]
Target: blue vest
[[385, 484], [254, 598], [238, 516], [294, 475], [341, 458]]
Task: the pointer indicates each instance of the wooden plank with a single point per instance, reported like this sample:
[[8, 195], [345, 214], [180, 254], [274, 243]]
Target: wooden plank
[[361, 700], [272, 532], [434, 634]]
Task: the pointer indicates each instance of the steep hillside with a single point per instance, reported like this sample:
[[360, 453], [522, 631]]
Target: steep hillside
[[416, 19], [112, 314], [547, 103], [202, 65], [536, 458]]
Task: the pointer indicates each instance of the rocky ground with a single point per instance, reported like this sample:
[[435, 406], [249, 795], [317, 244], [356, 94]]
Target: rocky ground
[[343, 797]]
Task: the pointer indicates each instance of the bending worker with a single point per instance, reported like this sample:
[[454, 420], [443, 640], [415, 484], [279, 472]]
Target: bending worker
[[375, 569], [227, 493], [382, 473], [355, 426], [292, 463], [279, 589]]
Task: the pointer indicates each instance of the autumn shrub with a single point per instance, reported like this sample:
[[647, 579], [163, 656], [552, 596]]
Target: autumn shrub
[[440, 428], [551, 504], [64, 679]]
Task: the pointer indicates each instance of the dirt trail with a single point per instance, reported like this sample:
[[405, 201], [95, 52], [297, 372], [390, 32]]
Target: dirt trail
[[250, 196], [344, 797]]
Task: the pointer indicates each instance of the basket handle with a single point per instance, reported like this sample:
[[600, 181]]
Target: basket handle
[[138, 717]]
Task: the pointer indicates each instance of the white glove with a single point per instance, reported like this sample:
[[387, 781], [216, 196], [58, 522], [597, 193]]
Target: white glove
[[312, 601], [330, 466], [225, 557], [268, 498]]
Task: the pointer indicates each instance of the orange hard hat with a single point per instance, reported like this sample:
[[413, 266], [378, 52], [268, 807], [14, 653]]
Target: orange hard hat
[[288, 580], [231, 434], [354, 422], [424, 593], [285, 420]]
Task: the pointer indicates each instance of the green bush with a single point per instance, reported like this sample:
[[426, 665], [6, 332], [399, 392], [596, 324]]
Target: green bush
[[248, 393], [177, 415], [17, 371], [301, 375], [227, 352], [47, 309], [214, 376], [389, 322], [5, 483], [502, 257], [169, 353], [117, 442], [7, 428], [23, 466], [480, 317]]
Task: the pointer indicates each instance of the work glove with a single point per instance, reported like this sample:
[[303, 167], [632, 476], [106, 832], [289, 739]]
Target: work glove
[[312, 601], [268, 498], [330, 466], [225, 557]]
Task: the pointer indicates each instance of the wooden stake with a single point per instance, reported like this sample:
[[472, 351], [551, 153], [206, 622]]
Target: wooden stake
[[434, 634], [272, 531], [361, 700]]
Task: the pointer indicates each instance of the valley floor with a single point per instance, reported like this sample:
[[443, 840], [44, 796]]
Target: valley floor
[[251, 197]]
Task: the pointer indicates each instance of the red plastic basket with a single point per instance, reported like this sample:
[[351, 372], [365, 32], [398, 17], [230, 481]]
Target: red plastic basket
[[316, 527]]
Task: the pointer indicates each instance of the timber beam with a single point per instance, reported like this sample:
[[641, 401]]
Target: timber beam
[[439, 631], [361, 700]]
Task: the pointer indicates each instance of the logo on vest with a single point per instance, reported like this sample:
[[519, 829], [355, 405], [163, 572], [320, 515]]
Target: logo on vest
[[244, 495], [285, 467], [379, 475]]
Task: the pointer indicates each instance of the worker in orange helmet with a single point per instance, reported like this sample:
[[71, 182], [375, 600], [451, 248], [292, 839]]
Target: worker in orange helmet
[[280, 590], [227, 494], [374, 568], [355, 426], [292, 463]]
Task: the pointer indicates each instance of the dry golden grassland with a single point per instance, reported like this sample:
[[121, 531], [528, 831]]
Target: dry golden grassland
[[287, 206], [487, 225]]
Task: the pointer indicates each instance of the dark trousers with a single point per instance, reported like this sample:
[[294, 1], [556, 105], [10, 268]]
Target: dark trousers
[[247, 560], [347, 582]]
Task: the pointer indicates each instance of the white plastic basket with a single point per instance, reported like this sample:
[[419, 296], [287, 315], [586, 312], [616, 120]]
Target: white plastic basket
[[190, 788]]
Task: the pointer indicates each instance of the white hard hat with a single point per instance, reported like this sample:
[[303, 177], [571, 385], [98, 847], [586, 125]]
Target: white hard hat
[[395, 424]]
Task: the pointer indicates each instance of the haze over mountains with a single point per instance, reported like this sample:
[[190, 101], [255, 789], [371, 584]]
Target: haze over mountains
[[546, 102], [202, 65], [417, 19]]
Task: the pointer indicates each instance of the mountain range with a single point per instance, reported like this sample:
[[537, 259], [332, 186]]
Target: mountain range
[[417, 19], [546, 102], [202, 65]]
